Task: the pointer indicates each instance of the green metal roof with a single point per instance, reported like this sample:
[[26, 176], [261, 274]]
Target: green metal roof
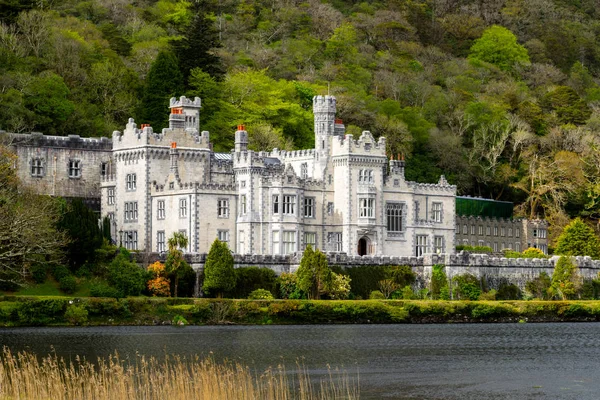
[[476, 207]]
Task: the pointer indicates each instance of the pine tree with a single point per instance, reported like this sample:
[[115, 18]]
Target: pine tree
[[196, 48], [163, 82], [314, 275], [219, 276], [578, 239], [85, 236], [566, 280]]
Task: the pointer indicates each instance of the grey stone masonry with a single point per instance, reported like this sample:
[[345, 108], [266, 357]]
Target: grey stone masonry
[[66, 166]]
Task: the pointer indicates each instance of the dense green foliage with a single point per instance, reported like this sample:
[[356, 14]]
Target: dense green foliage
[[314, 275], [219, 276], [249, 279], [578, 239], [175, 265], [27, 311], [439, 283], [85, 236], [566, 281], [126, 276], [501, 97]]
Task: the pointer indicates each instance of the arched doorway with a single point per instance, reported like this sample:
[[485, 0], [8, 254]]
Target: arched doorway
[[363, 247]]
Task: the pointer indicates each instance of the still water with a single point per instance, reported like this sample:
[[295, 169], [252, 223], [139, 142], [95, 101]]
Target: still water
[[463, 361]]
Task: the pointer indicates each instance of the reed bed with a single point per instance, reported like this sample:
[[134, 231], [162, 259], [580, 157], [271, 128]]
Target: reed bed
[[24, 376]]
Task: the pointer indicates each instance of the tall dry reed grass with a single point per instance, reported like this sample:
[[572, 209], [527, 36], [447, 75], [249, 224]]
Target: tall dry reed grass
[[24, 376]]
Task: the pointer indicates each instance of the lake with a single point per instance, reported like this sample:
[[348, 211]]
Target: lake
[[452, 361]]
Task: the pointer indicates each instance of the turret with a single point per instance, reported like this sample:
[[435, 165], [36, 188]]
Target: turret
[[241, 139], [324, 114], [185, 113]]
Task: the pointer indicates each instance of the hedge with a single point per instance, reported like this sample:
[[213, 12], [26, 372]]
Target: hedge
[[53, 311]]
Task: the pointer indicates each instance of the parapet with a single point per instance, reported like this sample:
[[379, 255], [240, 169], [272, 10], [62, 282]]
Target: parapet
[[324, 104], [37, 139], [185, 102]]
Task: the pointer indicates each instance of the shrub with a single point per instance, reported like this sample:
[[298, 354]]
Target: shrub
[[532, 252], [445, 293], [126, 276], [219, 275], [566, 280], [249, 279], [376, 295], [260, 294], [41, 312], [68, 284], [179, 320], [339, 288], [407, 293], [60, 271], [76, 314], [365, 279], [159, 285], [288, 287], [488, 296], [439, 280], [508, 292], [474, 249], [103, 289], [467, 287], [39, 273], [539, 286]]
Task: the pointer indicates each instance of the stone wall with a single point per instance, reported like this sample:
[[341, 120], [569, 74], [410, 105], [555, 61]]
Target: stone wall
[[495, 270]]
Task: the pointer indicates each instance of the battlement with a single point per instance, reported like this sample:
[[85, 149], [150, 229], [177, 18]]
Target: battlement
[[324, 104], [294, 154], [37, 139], [365, 145], [185, 102], [441, 187]]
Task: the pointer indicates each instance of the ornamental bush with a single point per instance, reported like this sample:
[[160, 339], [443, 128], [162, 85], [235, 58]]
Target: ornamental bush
[[566, 280], [76, 314], [219, 276], [126, 276], [260, 294]]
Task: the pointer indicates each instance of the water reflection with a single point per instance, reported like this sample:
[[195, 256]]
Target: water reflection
[[492, 361]]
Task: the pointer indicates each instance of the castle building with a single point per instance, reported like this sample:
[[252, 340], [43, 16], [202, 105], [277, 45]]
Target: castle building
[[344, 195], [69, 167], [486, 222]]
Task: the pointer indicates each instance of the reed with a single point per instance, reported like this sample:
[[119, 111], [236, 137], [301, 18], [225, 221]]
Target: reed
[[24, 376]]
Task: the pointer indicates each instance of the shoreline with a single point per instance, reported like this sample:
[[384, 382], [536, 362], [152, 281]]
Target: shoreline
[[27, 311]]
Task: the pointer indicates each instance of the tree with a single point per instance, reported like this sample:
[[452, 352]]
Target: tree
[[499, 46], [28, 234], [566, 280], [314, 275], [539, 286], [196, 47], [125, 275], [219, 275], [176, 264], [578, 239], [163, 82], [159, 284], [80, 223]]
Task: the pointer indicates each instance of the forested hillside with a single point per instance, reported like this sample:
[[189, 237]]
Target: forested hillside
[[500, 96]]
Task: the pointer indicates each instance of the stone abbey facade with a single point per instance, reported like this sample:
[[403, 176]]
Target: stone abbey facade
[[344, 195]]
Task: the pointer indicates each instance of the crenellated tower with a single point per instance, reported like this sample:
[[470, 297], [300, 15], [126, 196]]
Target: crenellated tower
[[185, 114], [324, 114]]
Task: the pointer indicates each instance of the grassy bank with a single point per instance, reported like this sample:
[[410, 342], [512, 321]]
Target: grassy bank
[[24, 376], [56, 311]]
